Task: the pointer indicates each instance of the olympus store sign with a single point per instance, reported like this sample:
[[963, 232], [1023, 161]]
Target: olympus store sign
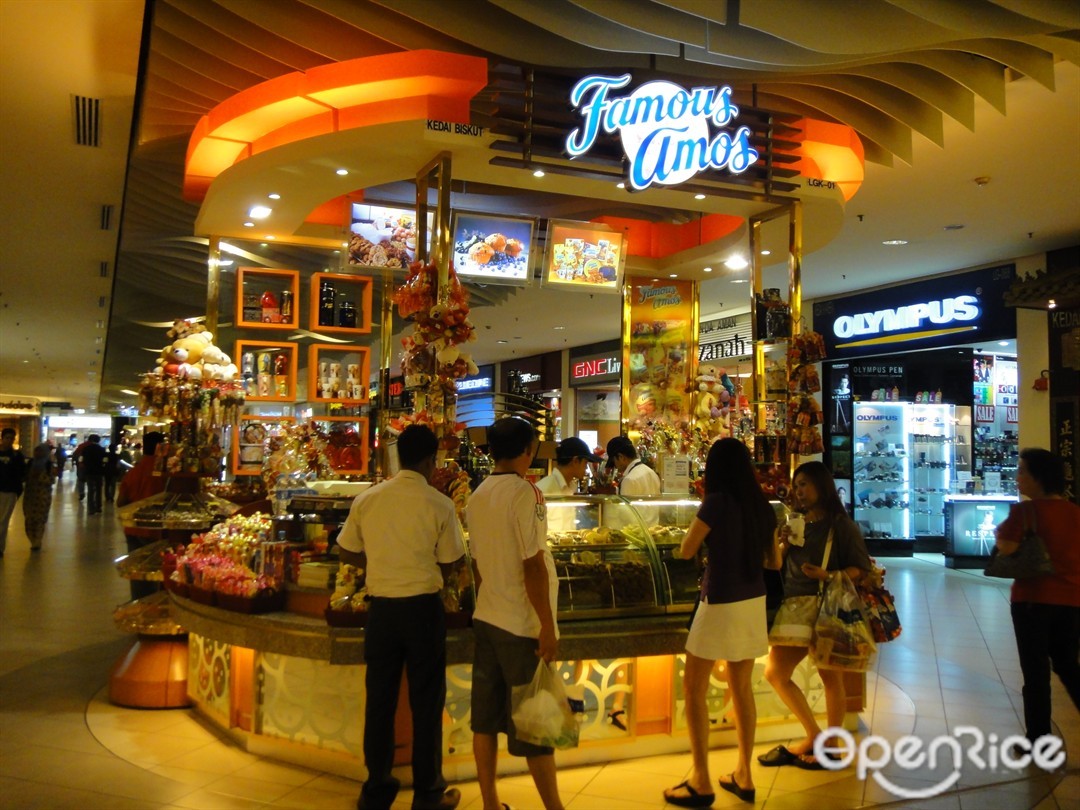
[[949, 310]]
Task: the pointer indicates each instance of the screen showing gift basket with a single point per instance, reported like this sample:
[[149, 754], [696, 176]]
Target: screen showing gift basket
[[383, 237], [584, 255]]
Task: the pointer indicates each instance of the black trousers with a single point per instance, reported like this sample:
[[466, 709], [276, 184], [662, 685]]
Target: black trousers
[[404, 634], [1046, 636]]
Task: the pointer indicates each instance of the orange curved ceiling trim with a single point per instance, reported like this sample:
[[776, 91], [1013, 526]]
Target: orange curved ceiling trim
[[657, 240], [331, 98], [831, 152]]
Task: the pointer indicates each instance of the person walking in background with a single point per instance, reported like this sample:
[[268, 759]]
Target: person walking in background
[[738, 528], [1045, 609], [92, 463], [792, 631], [12, 476], [139, 484], [61, 461], [404, 536], [514, 621], [113, 472], [77, 461], [37, 500]]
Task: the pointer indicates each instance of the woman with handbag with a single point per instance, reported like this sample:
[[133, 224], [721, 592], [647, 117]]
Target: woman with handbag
[[1045, 609], [737, 526], [831, 542]]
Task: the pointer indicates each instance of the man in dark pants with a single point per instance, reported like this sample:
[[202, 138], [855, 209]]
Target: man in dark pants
[[405, 536], [93, 466]]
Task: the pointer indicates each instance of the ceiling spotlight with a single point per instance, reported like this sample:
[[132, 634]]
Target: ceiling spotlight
[[699, 196], [1003, 343], [740, 281], [895, 242], [270, 237], [538, 173], [981, 181], [620, 185], [954, 227], [1052, 304], [707, 269], [342, 172], [736, 263], [224, 262], [502, 341], [766, 253], [673, 275], [557, 328], [249, 224]]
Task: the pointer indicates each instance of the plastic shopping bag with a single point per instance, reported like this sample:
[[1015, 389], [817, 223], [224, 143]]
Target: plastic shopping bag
[[541, 713], [843, 636]]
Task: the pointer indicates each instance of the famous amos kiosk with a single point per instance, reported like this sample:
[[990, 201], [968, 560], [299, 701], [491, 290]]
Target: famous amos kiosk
[[488, 161]]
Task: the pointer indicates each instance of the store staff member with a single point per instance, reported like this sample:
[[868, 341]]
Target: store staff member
[[405, 535], [572, 457], [638, 478]]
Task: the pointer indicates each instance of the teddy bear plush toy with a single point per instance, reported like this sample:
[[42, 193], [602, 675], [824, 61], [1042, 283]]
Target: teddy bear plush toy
[[216, 365], [183, 357]]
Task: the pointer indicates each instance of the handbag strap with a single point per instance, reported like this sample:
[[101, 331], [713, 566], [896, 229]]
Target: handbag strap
[[825, 559]]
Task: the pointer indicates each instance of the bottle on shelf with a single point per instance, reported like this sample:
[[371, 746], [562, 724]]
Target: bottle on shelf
[[327, 298], [281, 379], [271, 311], [265, 377], [286, 306], [347, 314]]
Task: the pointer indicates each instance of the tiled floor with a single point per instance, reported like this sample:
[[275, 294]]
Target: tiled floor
[[62, 745]]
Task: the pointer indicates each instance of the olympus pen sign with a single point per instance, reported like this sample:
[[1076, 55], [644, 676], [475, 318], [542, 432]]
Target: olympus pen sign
[[948, 312], [669, 133]]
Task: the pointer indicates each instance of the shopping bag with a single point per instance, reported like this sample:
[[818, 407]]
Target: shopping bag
[[843, 637], [879, 604], [795, 621], [541, 713]]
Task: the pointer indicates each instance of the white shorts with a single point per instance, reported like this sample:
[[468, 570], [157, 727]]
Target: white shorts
[[732, 631]]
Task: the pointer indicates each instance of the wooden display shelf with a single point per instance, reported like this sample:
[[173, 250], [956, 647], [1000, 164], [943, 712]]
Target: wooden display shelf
[[240, 467], [261, 279], [343, 372], [269, 391], [359, 292]]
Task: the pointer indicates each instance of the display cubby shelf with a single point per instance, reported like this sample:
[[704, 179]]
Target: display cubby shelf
[[252, 283], [353, 290], [270, 373], [338, 373]]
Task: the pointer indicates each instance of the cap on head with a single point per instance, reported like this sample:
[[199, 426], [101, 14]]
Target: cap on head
[[573, 447], [621, 446]]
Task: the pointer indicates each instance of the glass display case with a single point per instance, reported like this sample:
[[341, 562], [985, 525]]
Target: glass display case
[[882, 487], [667, 520], [176, 510], [605, 558], [933, 466]]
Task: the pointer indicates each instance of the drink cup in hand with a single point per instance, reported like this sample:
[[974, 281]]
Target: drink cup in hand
[[796, 525]]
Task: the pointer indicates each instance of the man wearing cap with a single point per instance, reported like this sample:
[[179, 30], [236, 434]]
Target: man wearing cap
[[571, 459], [638, 478]]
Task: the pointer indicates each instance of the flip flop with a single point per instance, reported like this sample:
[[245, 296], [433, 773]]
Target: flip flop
[[731, 786], [808, 762], [777, 756], [692, 797]]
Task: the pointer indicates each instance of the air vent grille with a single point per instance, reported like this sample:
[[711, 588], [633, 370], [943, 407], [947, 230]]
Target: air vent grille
[[87, 117], [106, 217], [101, 301], [104, 269]]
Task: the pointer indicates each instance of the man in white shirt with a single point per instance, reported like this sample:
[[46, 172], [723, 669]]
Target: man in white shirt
[[638, 478], [572, 458], [514, 621], [405, 536]]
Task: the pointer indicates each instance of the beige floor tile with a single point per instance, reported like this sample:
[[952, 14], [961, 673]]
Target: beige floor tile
[[256, 789], [185, 776], [19, 794], [308, 798], [215, 759], [335, 784], [203, 799], [268, 770]]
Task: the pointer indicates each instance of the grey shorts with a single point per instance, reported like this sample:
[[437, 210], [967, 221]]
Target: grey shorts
[[502, 661]]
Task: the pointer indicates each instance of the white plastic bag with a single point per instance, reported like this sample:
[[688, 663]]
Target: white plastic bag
[[541, 713], [843, 638]]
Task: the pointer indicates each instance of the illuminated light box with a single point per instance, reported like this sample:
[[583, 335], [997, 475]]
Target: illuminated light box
[[491, 249], [584, 255], [382, 237]]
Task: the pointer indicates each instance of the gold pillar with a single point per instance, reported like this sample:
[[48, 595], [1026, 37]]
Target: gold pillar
[[213, 284]]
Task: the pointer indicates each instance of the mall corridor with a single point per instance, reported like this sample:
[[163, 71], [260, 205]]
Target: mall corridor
[[63, 746]]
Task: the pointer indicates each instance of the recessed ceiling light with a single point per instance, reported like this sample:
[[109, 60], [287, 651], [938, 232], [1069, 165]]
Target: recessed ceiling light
[[557, 328], [249, 224], [260, 212], [274, 196], [1003, 343], [1052, 304], [707, 269], [673, 275], [502, 341], [740, 281], [342, 172], [736, 263], [620, 185], [895, 242], [538, 173], [270, 237], [954, 227], [766, 253], [699, 196], [26, 361]]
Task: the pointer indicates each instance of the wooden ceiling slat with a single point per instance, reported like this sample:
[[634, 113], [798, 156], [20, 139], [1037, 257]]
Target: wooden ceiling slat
[[647, 16]]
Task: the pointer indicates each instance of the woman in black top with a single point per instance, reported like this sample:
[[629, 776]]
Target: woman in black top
[[738, 528], [816, 497]]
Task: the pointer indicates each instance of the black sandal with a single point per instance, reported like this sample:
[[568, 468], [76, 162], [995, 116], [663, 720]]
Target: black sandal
[[615, 721], [777, 756], [746, 794], [692, 797]]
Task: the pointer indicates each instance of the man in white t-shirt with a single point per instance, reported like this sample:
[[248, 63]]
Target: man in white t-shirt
[[514, 620], [572, 458], [638, 478], [405, 536]]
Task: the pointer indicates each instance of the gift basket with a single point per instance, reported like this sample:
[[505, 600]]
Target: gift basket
[[843, 636]]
